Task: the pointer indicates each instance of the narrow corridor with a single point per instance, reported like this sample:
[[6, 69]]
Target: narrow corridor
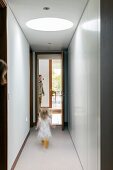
[[83, 99], [61, 154]]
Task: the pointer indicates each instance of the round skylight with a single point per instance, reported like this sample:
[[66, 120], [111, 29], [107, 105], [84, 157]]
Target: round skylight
[[49, 24]]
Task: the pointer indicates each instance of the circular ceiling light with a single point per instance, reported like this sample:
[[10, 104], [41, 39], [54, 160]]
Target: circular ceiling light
[[49, 24]]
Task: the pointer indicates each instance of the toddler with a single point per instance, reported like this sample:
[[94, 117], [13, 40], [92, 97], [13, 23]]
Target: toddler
[[43, 125]]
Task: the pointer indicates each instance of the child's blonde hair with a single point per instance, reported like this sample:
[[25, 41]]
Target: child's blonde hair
[[3, 70], [44, 113]]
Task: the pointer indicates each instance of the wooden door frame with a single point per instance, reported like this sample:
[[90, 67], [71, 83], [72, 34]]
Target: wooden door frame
[[50, 83], [32, 123], [63, 118], [31, 88], [62, 57], [3, 89], [36, 99]]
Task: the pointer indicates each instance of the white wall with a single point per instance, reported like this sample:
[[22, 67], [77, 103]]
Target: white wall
[[84, 72], [18, 87], [44, 71]]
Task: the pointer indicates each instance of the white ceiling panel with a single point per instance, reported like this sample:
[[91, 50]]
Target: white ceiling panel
[[25, 10]]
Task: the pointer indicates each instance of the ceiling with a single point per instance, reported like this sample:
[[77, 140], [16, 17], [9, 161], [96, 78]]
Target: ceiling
[[25, 10]]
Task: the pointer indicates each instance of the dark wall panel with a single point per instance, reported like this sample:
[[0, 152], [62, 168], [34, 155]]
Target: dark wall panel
[[3, 94], [106, 85]]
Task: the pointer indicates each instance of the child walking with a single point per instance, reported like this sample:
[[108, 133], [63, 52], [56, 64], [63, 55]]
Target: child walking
[[43, 125]]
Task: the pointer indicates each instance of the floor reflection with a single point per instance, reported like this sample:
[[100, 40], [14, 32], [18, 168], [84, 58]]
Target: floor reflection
[[56, 119]]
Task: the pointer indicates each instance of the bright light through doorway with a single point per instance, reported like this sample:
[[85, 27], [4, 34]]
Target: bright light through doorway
[[51, 70], [56, 84], [56, 119]]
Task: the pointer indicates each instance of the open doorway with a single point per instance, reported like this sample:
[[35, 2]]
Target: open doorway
[[50, 68], [56, 91]]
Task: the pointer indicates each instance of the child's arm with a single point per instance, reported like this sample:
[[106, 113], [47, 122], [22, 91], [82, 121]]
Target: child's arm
[[50, 122]]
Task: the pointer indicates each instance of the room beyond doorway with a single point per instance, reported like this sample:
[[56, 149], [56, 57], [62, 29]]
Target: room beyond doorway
[[50, 67]]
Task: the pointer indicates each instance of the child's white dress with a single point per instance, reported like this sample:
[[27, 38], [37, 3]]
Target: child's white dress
[[44, 128]]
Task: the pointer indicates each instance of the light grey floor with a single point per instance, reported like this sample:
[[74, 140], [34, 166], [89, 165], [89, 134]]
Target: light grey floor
[[60, 155]]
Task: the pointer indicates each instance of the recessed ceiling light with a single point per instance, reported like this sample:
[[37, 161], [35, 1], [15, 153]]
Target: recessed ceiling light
[[46, 8], [49, 24]]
